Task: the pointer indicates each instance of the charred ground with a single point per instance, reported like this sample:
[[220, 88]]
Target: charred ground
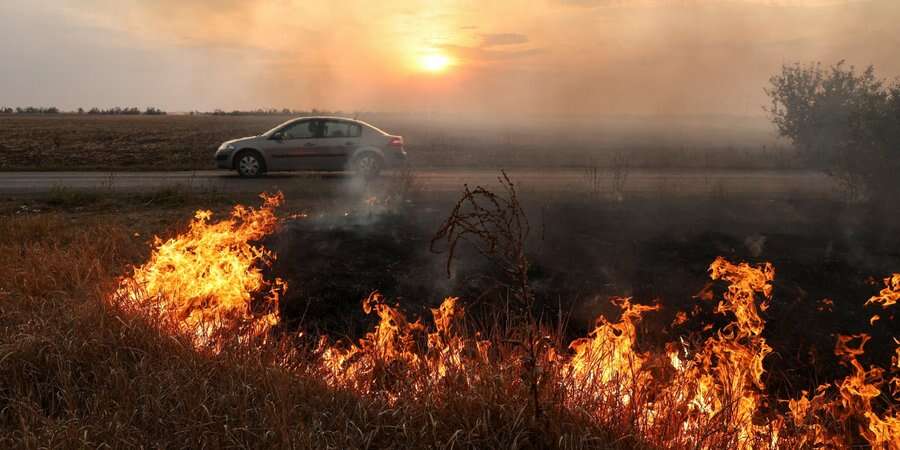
[[333, 252], [828, 260]]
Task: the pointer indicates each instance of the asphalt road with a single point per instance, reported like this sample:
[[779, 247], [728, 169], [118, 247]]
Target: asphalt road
[[669, 182]]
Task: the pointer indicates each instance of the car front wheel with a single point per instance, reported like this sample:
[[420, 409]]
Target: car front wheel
[[250, 164]]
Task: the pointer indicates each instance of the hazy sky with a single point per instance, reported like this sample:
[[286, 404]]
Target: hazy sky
[[528, 56]]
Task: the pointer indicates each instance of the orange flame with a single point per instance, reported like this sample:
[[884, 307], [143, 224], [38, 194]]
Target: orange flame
[[204, 280], [393, 348], [890, 294], [608, 355], [856, 393], [723, 381], [208, 281]]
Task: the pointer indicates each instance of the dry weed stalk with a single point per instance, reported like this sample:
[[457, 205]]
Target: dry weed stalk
[[497, 227]]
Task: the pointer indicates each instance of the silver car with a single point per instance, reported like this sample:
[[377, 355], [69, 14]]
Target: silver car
[[314, 143]]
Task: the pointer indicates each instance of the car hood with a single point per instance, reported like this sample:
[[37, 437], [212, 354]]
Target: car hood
[[240, 140]]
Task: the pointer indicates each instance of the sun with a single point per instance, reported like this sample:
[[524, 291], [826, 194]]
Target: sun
[[435, 62]]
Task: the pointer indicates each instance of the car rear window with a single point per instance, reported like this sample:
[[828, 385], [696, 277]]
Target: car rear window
[[339, 129]]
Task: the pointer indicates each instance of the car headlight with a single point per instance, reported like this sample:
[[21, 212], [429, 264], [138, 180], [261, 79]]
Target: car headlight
[[226, 147]]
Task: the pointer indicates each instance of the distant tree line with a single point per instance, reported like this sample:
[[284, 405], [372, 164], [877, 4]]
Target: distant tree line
[[260, 112], [132, 111], [150, 111], [255, 112], [29, 110]]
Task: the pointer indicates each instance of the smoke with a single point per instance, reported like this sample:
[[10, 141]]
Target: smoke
[[553, 57]]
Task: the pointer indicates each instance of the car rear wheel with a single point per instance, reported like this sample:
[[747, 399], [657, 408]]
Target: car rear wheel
[[367, 165], [249, 164]]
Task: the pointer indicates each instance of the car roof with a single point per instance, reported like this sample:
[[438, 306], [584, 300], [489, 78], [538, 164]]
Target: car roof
[[345, 119], [327, 118]]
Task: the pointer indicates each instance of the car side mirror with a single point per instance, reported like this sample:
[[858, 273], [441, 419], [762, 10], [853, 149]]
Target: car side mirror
[[277, 136]]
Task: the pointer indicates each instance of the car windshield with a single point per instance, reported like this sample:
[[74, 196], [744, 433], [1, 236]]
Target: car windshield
[[277, 127]]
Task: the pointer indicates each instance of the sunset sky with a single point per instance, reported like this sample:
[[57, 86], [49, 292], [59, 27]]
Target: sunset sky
[[582, 57]]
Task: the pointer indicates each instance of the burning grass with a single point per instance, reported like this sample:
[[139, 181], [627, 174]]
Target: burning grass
[[94, 361], [204, 280]]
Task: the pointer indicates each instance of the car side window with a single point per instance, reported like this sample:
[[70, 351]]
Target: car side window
[[304, 129], [340, 129]]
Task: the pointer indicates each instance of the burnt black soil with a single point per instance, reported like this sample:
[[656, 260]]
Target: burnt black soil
[[585, 252]]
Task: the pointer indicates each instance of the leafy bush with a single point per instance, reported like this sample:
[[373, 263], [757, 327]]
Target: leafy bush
[[843, 121]]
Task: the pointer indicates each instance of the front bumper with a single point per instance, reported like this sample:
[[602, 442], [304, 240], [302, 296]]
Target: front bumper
[[223, 159]]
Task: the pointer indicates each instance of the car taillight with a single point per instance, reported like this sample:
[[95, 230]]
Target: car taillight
[[396, 142]]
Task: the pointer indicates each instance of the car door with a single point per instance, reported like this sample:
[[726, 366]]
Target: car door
[[297, 145], [339, 140]]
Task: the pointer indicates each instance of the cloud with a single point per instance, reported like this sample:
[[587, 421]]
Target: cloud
[[594, 3], [494, 47], [497, 39], [486, 55], [695, 3], [584, 56]]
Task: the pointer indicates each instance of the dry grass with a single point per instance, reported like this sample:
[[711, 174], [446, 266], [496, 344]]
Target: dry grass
[[78, 373]]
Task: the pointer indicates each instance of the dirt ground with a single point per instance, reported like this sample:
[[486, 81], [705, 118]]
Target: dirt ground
[[828, 257], [187, 142]]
